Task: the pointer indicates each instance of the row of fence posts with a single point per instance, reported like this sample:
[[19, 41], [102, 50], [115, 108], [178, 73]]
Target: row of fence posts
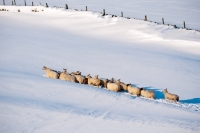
[[104, 12]]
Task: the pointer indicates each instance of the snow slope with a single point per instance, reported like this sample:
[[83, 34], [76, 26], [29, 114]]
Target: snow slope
[[137, 52], [173, 11]]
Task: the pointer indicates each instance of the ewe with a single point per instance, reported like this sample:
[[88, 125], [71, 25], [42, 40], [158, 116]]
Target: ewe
[[122, 85], [170, 96], [93, 81], [147, 93], [51, 73], [134, 90]]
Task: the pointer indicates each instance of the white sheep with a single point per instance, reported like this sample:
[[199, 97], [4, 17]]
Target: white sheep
[[67, 77], [51, 73], [86, 79], [170, 96], [113, 87], [104, 82], [65, 71], [147, 93], [122, 85], [79, 78], [93, 81], [134, 90]]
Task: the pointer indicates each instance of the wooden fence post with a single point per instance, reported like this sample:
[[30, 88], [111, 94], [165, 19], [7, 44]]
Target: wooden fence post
[[122, 14], [3, 2], [163, 22], [184, 24], [66, 6], [86, 8], [104, 12], [145, 18], [32, 3], [25, 2], [47, 5]]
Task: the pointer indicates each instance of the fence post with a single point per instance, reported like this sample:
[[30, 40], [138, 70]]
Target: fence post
[[25, 2], [15, 2], [163, 22], [3, 2], [32, 3], [145, 18], [66, 6], [47, 5], [86, 8], [104, 12], [122, 14], [12, 2], [184, 24]]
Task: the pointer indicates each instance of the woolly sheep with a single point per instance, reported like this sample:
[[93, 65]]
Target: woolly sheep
[[86, 79], [147, 93], [65, 71], [51, 73], [170, 96], [122, 85], [93, 81], [113, 87], [134, 90], [79, 78], [104, 82], [65, 76]]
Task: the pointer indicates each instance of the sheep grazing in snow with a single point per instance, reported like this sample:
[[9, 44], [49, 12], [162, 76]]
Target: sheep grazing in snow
[[147, 93], [93, 81], [113, 86], [170, 96], [51, 73], [79, 78], [134, 90], [122, 85]]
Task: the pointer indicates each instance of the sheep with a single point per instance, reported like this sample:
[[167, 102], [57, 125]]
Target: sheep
[[170, 96], [51, 73], [113, 86], [79, 78], [65, 71], [134, 90], [147, 93], [86, 79], [93, 81], [104, 82], [122, 85], [67, 77]]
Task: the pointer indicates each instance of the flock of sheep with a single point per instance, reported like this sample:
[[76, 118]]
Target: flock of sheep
[[109, 84]]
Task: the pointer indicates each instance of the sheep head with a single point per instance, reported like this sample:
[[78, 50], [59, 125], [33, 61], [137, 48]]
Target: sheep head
[[165, 90], [88, 76], [44, 68]]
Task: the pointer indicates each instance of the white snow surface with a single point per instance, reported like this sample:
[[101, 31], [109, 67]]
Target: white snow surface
[[141, 53]]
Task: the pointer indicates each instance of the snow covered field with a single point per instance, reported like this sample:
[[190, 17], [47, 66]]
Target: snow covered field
[[142, 53]]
